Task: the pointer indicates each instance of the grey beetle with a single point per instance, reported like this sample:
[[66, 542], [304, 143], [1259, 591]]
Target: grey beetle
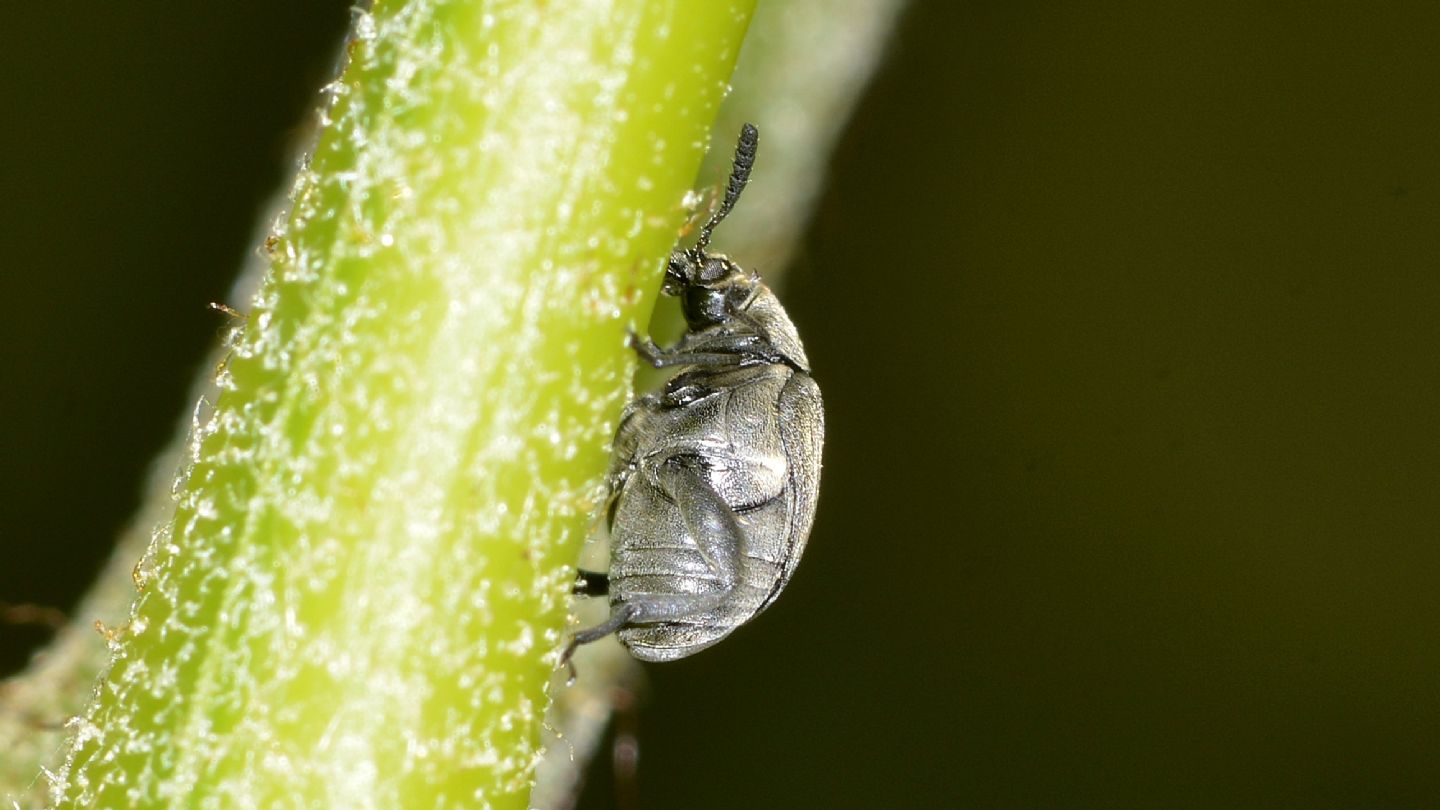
[[714, 478]]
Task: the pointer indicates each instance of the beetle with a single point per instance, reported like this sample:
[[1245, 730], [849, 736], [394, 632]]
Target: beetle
[[714, 477]]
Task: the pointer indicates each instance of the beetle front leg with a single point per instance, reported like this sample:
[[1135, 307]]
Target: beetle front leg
[[657, 357], [713, 350]]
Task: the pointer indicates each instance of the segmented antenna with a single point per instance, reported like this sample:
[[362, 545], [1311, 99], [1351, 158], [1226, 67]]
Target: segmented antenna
[[739, 176]]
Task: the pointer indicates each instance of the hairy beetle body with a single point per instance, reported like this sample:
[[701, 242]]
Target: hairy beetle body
[[715, 476]]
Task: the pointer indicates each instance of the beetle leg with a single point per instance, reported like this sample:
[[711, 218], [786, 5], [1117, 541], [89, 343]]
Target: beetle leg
[[591, 583], [662, 358], [709, 519], [726, 353], [717, 535], [618, 618]]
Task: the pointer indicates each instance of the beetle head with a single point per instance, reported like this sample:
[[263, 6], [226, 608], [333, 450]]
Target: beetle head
[[711, 288], [696, 268]]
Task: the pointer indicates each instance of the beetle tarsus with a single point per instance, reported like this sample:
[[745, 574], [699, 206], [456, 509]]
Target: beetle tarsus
[[618, 619], [591, 583]]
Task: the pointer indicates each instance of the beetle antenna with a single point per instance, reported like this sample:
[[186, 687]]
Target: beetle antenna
[[739, 176]]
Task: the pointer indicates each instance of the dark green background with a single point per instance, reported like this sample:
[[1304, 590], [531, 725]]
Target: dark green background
[[1126, 321]]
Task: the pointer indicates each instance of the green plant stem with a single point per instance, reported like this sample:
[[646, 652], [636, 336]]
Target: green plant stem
[[803, 68], [358, 600]]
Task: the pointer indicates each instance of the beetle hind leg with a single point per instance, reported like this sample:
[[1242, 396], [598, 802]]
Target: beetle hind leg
[[710, 521], [618, 618], [591, 583], [718, 537]]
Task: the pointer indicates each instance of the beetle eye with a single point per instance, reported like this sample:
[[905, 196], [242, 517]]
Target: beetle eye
[[714, 269]]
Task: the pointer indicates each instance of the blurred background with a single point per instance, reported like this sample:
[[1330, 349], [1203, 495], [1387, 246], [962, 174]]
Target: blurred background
[[1125, 315]]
